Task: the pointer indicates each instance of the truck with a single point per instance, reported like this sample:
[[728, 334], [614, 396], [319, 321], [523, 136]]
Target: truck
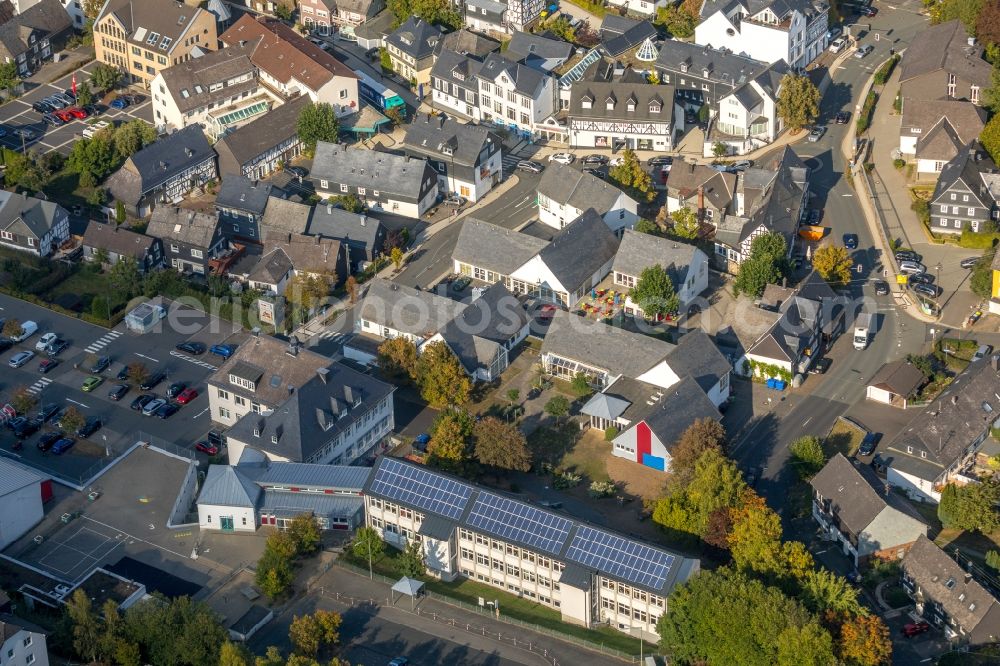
[[28, 328], [811, 232], [144, 317], [862, 330]]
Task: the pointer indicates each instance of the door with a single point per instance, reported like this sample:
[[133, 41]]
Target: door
[[227, 523]]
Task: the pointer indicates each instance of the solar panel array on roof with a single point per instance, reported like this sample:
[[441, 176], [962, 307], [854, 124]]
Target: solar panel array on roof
[[620, 557], [423, 489], [517, 521]]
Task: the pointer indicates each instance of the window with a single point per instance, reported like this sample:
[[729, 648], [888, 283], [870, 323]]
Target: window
[[31, 242], [29, 659], [343, 188], [223, 395], [972, 211], [6, 235], [197, 254], [361, 191], [224, 413], [27, 641]]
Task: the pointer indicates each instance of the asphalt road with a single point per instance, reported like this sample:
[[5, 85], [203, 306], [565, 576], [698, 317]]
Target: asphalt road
[[765, 447], [62, 385]]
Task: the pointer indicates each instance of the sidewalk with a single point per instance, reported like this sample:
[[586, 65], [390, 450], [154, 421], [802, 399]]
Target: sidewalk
[[69, 61]]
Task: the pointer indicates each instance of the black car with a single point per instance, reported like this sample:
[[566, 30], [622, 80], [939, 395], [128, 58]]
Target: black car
[[928, 290], [843, 117], [56, 347], [215, 437], [92, 425], [69, 93], [167, 410], [881, 288], [851, 241], [175, 389], [46, 441], [122, 375], [661, 160], [16, 422], [599, 160], [815, 215], [921, 278], [820, 366], [296, 171], [41, 107], [142, 401], [192, 347], [118, 392], [969, 262], [153, 380], [908, 255], [27, 428], [595, 173], [101, 364], [5, 344], [53, 119], [869, 443], [530, 166], [46, 412]]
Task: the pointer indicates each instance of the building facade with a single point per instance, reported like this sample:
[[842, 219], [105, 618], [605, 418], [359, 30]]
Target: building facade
[[467, 158], [34, 34], [32, 225], [189, 239], [615, 115]]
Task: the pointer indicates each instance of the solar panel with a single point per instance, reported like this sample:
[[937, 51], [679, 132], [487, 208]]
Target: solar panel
[[420, 488], [620, 557], [516, 521]]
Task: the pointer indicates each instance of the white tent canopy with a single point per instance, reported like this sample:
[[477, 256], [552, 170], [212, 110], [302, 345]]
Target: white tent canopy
[[407, 586]]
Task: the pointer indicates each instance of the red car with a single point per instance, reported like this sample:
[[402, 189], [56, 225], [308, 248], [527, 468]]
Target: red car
[[186, 396], [47, 364], [915, 629], [64, 115], [205, 447], [78, 112]]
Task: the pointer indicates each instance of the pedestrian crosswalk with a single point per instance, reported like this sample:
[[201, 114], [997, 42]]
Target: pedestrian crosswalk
[[37, 387], [510, 163], [103, 341], [191, 359]]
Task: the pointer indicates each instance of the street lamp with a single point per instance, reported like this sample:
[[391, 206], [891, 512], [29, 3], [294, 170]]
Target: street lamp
[[642, 643]]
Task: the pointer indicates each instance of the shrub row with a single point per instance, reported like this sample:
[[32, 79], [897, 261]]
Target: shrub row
[[885, 71], [865, 115]]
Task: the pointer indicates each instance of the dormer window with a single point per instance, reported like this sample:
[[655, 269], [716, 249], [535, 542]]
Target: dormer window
[[240, 381], [630, 104], [587, 103], [458, 76], [704, 73], [950, 583], [256, 431], [447, 150], [274, 439], [654, 108], [684, 67], [610, 103]]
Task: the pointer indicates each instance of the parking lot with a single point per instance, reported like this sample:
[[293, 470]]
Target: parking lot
[[18, 114], [62, 385]]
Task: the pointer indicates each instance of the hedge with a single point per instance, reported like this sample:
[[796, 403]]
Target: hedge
[[983, 240], [865, 116], [885, 71]]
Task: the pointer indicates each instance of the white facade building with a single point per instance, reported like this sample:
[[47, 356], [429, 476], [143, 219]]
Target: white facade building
[[22, 644], [564, 193], [21, 495], [514, 95]]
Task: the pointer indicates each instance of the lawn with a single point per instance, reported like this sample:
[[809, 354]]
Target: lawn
[[957, 354], [588, 458], [518, 608], [550, 444], [78, 290], [843, 438]]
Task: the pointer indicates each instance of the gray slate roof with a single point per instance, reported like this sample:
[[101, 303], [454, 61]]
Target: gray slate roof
[[272, 267], [945, 47], [14, 476], [180, 224], [616, 350], [493, 247], [169, 19], [361, 167], [644, 96], [117, 240], [224, 486], [240, 193], [466, 41], [630, 39], [527, 80], [34, 216], [159, 162], [430, 135], [420, 313], [857, 495], [899, 377], [525, 44], [477, 333], [568, 186], [639, 251], [213, 67], [334, 477], [696, 356], [260, 135], [342, 225], [283, 216], [722, 66], [416, 38], [457, 68], [579, 249], [41, 21], [680, 406], [966, 118]]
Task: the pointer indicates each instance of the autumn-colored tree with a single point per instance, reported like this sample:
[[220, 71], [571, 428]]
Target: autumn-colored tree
[[685, 223], [398, 357], [137, 372], [833, 263], [22, 401], [233, 654], [632, 177], [351, 285], [702, 435], [442, 380], [12, 328], [863, 640], [449, 445], [798, 101], [396, 255], [310, 633], [71, 420], [500, 445]]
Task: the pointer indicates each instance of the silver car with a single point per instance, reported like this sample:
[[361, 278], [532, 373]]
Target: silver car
[[20, 358], [817, 133], [152, 406], [911, 267]]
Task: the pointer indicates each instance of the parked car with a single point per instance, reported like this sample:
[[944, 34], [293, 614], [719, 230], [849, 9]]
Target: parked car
[[16, 421], [152, 381], [616, 161], [982, 352], [91, 382], [152, 406], [843, 117], [64, 115], [969, 262], [26, 428], [562, 158], [123, 374], [78, 113], [55, 102], [530, 166], [869, 443], [740, 165], [47, 364], [595, 173], [41, 107], [820, 366], [53, 119], [45, 340], [166, 410], [399, 661], [225, 351], [868, 11], [46, 412], [25, 133], [665, 161], [63, 445], [101, 364], [20, 358], [191, 348], [815, 215], [817, 133], [46, 441], [454, 200], [297, 171], [863, 51], [920, 278], [56, 347], [205, 447], [837, 45], [881, 288], [69, 93], [187, 395], [928, 290], [119, 103], [140, 403], [118, 391], [175, 389], [599, 160], [907, 255], [92, 425], [915, 629], [461, 283], [851, 241], [912, 267]]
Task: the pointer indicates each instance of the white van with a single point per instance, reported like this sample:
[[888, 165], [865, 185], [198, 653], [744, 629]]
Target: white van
[[28, 329]]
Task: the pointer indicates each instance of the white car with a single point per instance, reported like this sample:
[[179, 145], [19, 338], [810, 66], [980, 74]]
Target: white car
[[44, 341], [911, 267], [562, 158], [616, 161], [152, 406], [837, 45]]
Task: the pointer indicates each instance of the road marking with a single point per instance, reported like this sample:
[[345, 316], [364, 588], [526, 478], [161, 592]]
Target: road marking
[[189, 359], [200, 413], [77, 403], [847, 195], [806, 422], [148, 358], [102, 342], [39, 385]]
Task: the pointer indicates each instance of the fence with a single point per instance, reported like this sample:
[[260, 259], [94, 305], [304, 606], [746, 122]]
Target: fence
[[472, 628]]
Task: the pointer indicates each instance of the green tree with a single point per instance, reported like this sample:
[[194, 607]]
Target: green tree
[[24, 170], [84, 95], [798, 101], [677, 20], [368, 545], [175, 631], [765, 265], [557, 407], [716, 484], [92, 159], [990, 137], [120, 215], [632, 177], [439, 12], [699, 627], [397, 357], [91, 8], [105, 77], [22, 401], [833, 263], [100, 257], [274, 575], [581, 384], [385, 60], [86, 625], [975, 506], [308, 291], [993, 559], [645, 226], [411, 561], [349, 202], [130, 137], [966, 11], [807, 456], [500, 445], [306, 635], [654, 292], [8, 75], [513, 395], [981, 282], [703, 435], [823, 591], [441, 378], [233, 654], [283, 12], [719, 149], [124, 276], [686, 223], [305, 532], [317, 122], [449, 445], [71, 420]]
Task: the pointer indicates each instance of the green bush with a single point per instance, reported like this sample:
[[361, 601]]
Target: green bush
[[978, 240], [899, 163], [885, 71], [610, 433], [865, 115]]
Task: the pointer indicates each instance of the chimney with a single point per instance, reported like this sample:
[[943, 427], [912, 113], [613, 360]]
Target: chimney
[[323, 373], [701, 198]]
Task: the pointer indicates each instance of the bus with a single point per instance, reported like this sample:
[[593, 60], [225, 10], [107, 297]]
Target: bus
[[378, 95]]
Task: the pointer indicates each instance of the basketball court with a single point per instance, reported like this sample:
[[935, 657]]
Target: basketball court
[[75, 551]]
